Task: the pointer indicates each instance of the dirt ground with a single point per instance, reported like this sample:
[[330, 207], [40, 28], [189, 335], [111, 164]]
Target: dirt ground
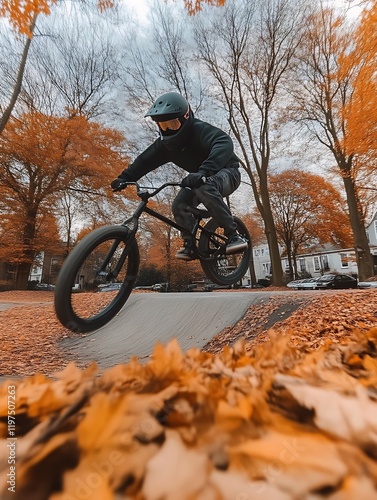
[[30, 332]]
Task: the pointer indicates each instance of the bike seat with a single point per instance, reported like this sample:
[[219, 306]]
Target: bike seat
[[198, 212]]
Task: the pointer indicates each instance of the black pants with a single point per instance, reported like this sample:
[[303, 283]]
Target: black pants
[[211, 194]]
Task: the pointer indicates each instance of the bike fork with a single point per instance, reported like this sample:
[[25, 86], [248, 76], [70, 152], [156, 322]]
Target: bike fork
[[114, 273]]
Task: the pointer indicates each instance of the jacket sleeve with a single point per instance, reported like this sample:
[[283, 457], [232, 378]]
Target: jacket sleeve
[[150, 159], [221, 151]]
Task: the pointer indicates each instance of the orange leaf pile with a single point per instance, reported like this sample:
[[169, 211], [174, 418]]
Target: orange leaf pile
[[267, 422]]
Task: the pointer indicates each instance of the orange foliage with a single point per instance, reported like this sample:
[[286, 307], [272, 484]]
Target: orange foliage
[[310, 211], [361, 111], [254, 224], [21, 13], [41, 157], [57, 152]]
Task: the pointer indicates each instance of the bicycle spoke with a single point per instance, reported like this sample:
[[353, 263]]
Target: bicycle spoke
[[98, 277], [221, 268]]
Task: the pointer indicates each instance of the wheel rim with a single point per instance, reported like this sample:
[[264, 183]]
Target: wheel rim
[[221, 268], [101, 284]]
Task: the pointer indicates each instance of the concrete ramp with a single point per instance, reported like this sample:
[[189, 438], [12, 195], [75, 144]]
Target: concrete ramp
[[147, 318]]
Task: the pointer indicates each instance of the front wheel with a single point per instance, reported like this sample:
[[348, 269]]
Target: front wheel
[[96, 279], [220, 268]]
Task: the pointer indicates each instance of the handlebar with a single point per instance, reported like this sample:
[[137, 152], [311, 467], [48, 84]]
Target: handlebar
[[140, 189]]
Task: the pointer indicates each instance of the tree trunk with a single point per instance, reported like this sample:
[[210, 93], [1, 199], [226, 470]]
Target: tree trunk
[[17, 88], [364, 258], [272, 240], [253, 278], [23, 272], [291, 266]]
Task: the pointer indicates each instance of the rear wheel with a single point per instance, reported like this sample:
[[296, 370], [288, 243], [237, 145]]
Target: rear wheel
[[220, 268], [96, 279]]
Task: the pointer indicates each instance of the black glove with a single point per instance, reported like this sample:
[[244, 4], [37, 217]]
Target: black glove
[[193, 180], [118, 184]]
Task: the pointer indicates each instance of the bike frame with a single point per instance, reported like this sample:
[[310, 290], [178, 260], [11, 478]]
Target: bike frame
[[143, 208]]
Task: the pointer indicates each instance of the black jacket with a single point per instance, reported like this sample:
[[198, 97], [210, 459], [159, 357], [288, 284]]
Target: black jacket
[[207, 150]]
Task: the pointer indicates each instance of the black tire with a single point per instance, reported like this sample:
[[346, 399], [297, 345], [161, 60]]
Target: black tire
[[82, 310], [224, 269]]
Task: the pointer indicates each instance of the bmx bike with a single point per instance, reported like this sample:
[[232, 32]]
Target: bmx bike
[[108, 259]]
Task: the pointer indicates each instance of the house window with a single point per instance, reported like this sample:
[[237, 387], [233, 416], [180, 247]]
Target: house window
[[256, 253], [325, 263], [302, 265], [375, 228], [317, 265], [344, 260], [266, 268]]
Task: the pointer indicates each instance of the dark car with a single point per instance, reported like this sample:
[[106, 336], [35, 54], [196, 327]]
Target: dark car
[[44, 286], [336, 281]]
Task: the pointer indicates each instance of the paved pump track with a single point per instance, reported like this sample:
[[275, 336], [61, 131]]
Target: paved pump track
[[193, 318]]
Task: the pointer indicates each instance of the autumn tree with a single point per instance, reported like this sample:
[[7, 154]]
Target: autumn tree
[[248, 51], [308, 211], [361, 109], [40, 158], [330, 101]]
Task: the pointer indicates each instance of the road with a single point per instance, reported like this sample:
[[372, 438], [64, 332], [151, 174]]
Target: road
[[193, 318]]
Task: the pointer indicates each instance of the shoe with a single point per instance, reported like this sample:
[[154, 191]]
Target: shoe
[[185, 253], [235, 244]]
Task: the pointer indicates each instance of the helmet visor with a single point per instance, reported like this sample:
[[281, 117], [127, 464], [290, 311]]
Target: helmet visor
[[173, 124]]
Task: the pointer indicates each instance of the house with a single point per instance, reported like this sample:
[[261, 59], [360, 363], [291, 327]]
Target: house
[[327, 259], [45, 269]]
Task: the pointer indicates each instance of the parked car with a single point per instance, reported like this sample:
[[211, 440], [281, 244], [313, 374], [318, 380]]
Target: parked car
[[209, 287], [307, 284], [160, 287], [294, 283], [190, 287], [264, 282], [336, 281], [368, 283], [44, 286], [111, 287]]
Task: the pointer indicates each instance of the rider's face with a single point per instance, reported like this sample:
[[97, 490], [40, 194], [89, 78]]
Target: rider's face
[[174, 124]]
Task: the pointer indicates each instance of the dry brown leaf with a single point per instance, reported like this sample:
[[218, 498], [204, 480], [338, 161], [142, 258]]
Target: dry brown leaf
[[351, 417], [184, 477], [229, 417], [355, 488], [295, 464], [233, 485]]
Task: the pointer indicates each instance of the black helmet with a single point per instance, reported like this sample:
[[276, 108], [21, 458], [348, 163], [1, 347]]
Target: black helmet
[[172, 107], [168, 106]]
